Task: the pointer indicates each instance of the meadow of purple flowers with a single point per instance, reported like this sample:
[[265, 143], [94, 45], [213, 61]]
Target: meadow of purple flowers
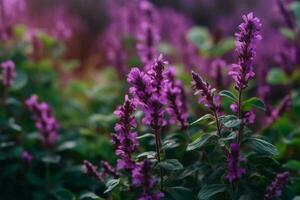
[[150, 100]]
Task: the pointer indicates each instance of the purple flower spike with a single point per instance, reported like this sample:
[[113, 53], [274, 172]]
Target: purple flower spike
[[246, 38], [157, 74], [124, 139], [206, 91], [275, 189], [91, 170], [234, 170], [141, 177], [175, 96], [145, 95], [8, 73], [45, 122]]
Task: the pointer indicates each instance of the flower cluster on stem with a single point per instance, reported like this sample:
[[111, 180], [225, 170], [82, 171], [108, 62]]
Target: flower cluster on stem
[[275, 189], [142, 178], [124, 138], [8, 73], [44, 119], [234, 158], [208, 98]]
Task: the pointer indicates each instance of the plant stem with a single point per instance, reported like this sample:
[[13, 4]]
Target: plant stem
[[158, 145], [217, 122], [240, 115]]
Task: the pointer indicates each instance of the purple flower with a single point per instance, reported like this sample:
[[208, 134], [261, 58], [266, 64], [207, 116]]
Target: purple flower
[[234, 170], [109, 170], [275, 189], [124, 139], [91, 170], [176, 99], [206, 92], [8, 73], [142, 177], [157, 74], [246, 38], [144, 88], [217, 67], [141, 87], [26, 157], [45, 122]]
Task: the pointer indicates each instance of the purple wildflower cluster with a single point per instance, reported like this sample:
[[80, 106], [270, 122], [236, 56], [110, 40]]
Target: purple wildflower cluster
[[125, 139], [282, 107], [246, 38], [8, 73], [106, 170], [275, 189], [142, 178], [234, 158], [146, 90], [45, 122]]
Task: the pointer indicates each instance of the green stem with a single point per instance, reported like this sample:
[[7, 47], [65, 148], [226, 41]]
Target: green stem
[[158, 145]]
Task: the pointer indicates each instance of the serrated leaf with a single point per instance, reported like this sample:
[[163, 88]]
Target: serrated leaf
[[209, 191], [111, 184], [171, 164], [254, 102], [207, 116], [181, 193], [90, 196], [229, 95], [200, 142], [262, 146]]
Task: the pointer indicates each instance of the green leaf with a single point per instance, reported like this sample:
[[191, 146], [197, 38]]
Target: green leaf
[[292, 165], [145, 136], [111, 184], [171, 164], [207, 116], [262, 146], [181, 193], [254, 102], [64, 194], [90, 196], [169, 144], [229, 95], [67, 145], [277, 76], [233, 123], [147, 154], [54, 159], [200, 142], [209, 191], [200, 37]]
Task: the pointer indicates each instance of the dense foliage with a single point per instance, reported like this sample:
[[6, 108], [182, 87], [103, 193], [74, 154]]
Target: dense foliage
[[174, 112]]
